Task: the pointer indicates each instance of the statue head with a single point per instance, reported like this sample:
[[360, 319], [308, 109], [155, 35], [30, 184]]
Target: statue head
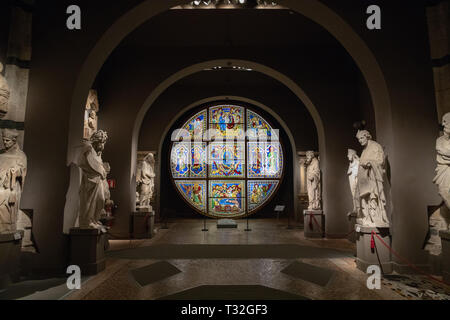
[[4, 95], [363, 137], [446, 123], [98, 140], [9, 138], [309, 156], [149, 158], [351, 154]]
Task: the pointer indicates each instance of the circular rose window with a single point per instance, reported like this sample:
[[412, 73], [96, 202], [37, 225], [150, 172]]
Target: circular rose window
[[226, 161]]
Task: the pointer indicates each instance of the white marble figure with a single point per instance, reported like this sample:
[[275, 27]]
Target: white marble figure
[[13, 170], [90, 125], [4, 94], [370, 189], [106, 212], [352, 173], [92, 189], [442, 178], [145, 176], [313, 182]]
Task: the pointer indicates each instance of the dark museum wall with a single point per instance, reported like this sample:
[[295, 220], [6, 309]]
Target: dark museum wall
[[66, 63]]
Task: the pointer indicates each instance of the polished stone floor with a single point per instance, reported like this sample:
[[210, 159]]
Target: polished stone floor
[[126, 256]]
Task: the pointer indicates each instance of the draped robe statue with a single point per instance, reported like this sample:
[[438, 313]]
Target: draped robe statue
[[145, 180], [370, 189], [352, 173], [313, 181], [13, 170], [442, 178], [92, 189], [4, 94]]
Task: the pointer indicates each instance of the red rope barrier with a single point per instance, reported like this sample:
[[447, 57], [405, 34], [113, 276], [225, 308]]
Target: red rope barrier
[[408, 262]]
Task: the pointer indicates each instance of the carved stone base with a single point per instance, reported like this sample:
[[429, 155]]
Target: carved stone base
[[445, 255], [87, 250], [365, 256], [10, 248], [351, 226], [143, 223], [314, 223]]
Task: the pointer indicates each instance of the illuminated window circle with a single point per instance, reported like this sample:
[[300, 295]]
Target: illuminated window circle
[[226, 161]]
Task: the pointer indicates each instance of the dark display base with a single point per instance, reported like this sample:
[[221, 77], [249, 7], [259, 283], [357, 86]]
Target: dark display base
[[379, 255], [314, 223], [87, 250], [10, 250], [226, 223], [143, 223]]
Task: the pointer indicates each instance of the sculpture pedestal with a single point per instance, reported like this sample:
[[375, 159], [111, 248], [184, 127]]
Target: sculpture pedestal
[[351, 224], [366, 256], [87, 250], [314, 223], [445, 240], [143, 223], [10, 249]]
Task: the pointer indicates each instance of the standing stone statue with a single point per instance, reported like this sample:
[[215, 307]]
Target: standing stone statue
[[313, 181], [145, 176], [92, 189], [352, 173], [442, 178], [370, 189], [109, 204], [13, 170], [4, 94]]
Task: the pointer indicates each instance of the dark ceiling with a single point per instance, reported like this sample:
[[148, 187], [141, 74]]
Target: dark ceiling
[[240, 28]]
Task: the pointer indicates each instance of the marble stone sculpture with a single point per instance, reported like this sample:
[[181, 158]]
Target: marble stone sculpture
[[13, 170], [92, 107], [4, 94], [442, 178], [352, 173], [145, 176], [109, 204], [313, 181], [92, 189], [369, 187]]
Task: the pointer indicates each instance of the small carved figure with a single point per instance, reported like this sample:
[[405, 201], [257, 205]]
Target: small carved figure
[[313, 181], [145, 180]]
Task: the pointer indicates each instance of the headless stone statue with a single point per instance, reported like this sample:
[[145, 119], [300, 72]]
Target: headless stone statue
[[442, 178], [313, 181], [352, 173], [13, 170], [369, 186]]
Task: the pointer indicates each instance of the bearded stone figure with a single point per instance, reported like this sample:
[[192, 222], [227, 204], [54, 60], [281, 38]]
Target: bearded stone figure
[[352, 173], [93, 182], [13, 170], [369, 187], [145, 180], [313, 181], [4, 94], [442, 178]]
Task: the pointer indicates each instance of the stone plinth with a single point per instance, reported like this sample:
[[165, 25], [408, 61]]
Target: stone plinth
[[10, 248], [366, 256], [445, 240], [314, 223], [351, 226], [143, 223], [87, 250], [226, 223]]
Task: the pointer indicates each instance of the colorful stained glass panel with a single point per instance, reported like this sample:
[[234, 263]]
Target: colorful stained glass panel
[[257, 127], [198, 160], [226, 206], [179, 160], [259, 192], [194, 192], [196, 126], [226, 189], [226, 114]]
